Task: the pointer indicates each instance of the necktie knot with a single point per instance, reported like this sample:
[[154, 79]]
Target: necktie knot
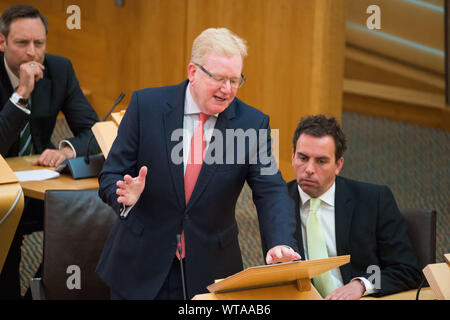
[[314, 204], [204, 117]]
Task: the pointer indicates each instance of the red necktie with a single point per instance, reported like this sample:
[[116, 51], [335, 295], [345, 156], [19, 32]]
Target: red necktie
[[194, 165]]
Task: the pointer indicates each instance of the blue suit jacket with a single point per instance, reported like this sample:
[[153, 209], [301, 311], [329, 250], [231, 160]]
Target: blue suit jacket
[[57, 91], [140, 249]]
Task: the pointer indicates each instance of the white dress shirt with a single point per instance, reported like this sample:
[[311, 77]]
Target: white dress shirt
[[15, 83], [326, 217]]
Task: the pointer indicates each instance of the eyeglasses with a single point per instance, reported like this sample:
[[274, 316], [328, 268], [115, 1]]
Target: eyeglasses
[[234, 82]]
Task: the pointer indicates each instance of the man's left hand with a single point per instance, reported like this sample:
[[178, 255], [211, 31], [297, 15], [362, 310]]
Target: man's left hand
[[53, 158], [281, 254], [351, 291]]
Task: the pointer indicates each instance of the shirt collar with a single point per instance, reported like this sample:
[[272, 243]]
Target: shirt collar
[[190, 106], [12, 77], [327, 197]]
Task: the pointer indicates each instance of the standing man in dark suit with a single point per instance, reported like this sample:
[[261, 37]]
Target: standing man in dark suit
[[139, 259], [34, 88], [339, 216]]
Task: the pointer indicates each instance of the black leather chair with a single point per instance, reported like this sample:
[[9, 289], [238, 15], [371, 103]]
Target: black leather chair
[[421, 225], [76, 225]]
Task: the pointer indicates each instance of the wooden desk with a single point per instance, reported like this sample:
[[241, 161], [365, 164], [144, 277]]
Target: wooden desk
[[425, 294], [36, 189]]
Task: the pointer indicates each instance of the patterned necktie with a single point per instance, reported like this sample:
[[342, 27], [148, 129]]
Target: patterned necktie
[[25, 142], [194, 165], [317, 248]]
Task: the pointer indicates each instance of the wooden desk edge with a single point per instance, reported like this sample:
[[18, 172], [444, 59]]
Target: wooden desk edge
[[426, 293]]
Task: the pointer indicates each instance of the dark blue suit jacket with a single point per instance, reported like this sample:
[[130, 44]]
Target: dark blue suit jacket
[[57, 91], [140, 249], [371, 229]]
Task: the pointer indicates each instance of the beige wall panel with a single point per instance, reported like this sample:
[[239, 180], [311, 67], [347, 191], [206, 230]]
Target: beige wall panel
[[118, 48]]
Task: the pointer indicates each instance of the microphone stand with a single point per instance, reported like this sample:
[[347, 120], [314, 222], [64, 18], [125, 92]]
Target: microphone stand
[[180, 252], [119, 99]]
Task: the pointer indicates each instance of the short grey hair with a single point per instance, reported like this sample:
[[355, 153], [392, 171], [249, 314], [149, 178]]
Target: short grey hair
[[219, 40]]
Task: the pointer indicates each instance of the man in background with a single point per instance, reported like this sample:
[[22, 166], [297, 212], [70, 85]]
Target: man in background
[[338, 216], [34, 88]]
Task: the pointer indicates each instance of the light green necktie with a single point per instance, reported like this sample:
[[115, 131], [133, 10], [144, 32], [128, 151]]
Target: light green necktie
[[317, 248]]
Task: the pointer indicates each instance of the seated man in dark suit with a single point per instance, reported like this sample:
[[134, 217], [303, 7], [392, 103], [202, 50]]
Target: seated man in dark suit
[[338, 216], [34, 88]]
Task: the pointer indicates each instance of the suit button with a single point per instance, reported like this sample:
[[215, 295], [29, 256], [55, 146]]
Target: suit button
[[186, 216]]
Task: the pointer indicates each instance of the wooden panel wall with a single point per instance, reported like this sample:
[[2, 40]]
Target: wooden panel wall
[[295, 63], [118, 48]]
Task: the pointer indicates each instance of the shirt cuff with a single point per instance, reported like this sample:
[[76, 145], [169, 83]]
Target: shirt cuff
[[21, 108], [65, 143], [370, 287], [125, 210]]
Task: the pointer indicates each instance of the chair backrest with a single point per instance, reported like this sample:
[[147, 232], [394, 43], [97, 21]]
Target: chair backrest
[[76, 226], [421, 225]]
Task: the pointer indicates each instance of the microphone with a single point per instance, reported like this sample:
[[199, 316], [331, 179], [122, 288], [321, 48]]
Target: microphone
[[115, 105], [180, 252], [87, 166], [119, 99]]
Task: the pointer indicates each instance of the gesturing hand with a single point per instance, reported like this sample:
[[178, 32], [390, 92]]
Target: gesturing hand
[[129, 190]]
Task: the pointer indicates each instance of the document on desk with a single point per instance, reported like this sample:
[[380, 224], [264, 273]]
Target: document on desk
[[36, 175]]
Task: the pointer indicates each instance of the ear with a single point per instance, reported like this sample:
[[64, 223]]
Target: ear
[[339, 165], [192, 68], [2, 42]]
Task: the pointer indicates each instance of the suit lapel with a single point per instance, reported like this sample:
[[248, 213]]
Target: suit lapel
[[41, 95], [293, 193], [6, 88], [40, 105], [173, 120], [344, 208]]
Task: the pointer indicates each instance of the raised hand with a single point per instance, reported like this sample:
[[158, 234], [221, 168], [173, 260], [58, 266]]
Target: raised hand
[[30, 72], [129, 189]]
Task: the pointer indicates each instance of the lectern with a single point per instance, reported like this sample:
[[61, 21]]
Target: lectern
[[11, 207], [283, 281]]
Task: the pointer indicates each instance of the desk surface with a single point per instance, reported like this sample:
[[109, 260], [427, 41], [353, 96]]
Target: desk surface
[[425, 294], [36, 189]]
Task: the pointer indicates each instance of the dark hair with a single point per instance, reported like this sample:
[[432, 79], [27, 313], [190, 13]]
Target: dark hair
[[320, 126], [17, 12]]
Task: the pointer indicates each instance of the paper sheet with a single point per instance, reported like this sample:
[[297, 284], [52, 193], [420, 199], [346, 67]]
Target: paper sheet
[[36, 175]]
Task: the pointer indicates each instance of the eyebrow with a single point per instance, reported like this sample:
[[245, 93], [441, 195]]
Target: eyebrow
[[27, 39], [318, 158]]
